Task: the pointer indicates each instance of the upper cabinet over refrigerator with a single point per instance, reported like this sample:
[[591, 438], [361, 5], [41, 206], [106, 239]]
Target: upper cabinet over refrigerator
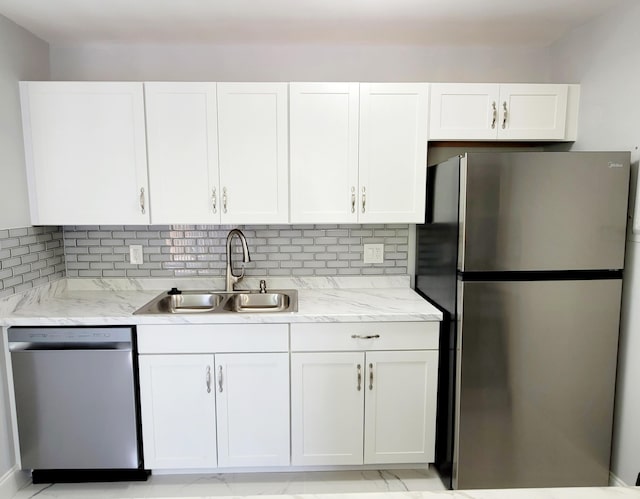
[[489, 111]]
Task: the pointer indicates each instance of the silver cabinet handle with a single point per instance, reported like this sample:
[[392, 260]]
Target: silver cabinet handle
[[364, 199], [370, 376], [495, 115], [142, 200], [365, 336], [224, 199], [359, 377], [208, 378], [214, 199], [353, 200], [505, 115], [220, 378]]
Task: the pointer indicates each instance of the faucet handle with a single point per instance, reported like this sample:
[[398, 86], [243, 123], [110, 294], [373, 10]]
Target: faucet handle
[[263, 286]]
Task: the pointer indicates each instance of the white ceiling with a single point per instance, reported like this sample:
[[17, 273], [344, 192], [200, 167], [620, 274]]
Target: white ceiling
[[428, 22]]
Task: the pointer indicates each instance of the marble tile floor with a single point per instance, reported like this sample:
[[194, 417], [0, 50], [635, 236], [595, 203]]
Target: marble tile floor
[[242, 484]]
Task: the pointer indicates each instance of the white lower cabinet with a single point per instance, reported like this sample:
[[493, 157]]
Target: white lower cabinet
[[399, 424], [363, 407], [223, 396], [252, 409], [189, 397], [327, 408], [178, 411]]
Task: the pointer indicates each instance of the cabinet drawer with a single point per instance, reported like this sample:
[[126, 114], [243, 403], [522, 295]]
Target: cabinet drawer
[[199, 338], [386, 336]]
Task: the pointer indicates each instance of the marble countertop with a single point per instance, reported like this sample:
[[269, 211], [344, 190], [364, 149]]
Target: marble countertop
[[99, 302]]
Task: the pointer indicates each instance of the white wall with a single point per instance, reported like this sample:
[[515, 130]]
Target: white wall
[[604, 57], [299, 63], [22, 57]]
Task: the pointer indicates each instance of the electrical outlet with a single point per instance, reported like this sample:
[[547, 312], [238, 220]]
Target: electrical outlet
[[135, 254], [373, 253]]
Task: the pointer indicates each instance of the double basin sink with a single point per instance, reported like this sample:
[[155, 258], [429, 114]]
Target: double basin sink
[[220, 302]]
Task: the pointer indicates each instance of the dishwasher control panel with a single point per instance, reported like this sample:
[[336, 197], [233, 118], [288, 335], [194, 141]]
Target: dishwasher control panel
[[95, 336]]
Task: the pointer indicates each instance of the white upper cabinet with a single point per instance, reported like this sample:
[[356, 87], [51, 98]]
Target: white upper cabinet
[[217, 152], [324, 152], [85, 152], [116, 153], [533, 112], [393, 152], [470, 111], [182, 142], [358, 152], [253, 156], [463, 111]]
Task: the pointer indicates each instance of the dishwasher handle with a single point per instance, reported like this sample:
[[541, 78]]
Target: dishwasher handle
[[25, 346]]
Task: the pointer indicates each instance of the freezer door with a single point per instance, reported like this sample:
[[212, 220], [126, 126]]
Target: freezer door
[[535, 393], [544, 210]]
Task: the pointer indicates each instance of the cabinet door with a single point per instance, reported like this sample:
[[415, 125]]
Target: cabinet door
[[463, 111], [532, 112], [253, 409], [178, 411], [400, 407], [252, 143], [393, 152], [85, 152], [182, 145], [327, 408], [324, 152]]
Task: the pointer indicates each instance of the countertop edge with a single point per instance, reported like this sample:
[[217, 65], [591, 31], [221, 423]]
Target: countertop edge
[[58, 304]]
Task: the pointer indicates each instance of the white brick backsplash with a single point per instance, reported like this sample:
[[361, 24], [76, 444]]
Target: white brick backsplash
[[199, 250], [31, 256]]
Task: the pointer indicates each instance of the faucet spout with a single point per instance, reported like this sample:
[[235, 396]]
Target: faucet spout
[[231, 278]]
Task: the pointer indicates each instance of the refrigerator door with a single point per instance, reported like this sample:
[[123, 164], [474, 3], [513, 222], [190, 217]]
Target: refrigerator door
[[437, 240], [536, 378], [529, 211]]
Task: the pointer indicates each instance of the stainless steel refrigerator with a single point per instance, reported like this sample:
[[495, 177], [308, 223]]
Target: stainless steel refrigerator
[[524, 254]]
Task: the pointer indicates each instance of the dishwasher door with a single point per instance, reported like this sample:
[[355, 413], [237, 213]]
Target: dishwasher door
[[75, 400]]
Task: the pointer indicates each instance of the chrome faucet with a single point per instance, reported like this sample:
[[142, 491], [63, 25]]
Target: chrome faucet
[[231, 278]]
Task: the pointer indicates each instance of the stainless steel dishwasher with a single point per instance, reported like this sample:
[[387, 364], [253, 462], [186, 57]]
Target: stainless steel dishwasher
[[77, 411]]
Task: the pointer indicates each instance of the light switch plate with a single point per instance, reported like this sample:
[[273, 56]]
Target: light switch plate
[[373, 253], [135, 254]]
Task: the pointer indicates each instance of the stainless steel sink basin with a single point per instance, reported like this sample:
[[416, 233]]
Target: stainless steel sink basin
[[186, 303], [219, 302], [258, 302]]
